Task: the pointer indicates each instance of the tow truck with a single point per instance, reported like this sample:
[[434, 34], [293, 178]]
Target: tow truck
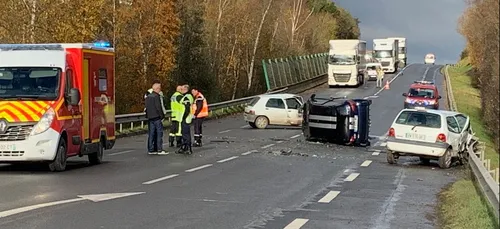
[[56, 101]]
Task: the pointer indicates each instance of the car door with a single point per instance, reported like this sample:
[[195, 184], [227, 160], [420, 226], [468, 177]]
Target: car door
[[294, 116], [453, 133], [463, 123], [275, 111]]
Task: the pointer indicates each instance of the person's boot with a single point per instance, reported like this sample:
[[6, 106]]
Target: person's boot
[[181, 150], [189, 151], [196, 141], [179, 141], [171, 141]]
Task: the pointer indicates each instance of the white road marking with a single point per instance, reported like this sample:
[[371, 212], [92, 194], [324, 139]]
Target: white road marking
[[198, 168], [245, 126], [296, 223], [329, 197], [425, 73], [249, 152], [351, 177], [118, 153], [267, 146], [94, 198], [227, 159], [278, 142], [366, 163], [395, 77], [160, 179], [295, 136], [383, 144], [224, 131], [376, 153]]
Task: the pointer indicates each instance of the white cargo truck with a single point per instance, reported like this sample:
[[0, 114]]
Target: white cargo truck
[[386, 51], [402, 50], [346, 62]]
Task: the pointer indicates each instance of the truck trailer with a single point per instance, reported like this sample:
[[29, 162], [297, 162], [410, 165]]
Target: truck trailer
[[386, 51], [402, 51], [56, 101], [346, 62]]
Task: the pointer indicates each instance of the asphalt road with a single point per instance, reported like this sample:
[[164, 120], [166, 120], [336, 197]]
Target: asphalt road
[[240, 178]]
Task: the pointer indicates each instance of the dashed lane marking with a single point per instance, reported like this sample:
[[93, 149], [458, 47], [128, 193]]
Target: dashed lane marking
[[267, 146], [227, 159], [296, 223], [245, 126], [329, 197], [376, 153], [295, 136], [225, 131], [118, 153], [351, 177], [278, 142], [249, 152], [198, 168], [383, 144], [366, 163], [160, 179]]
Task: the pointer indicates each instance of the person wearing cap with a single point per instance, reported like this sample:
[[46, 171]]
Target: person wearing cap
[[199, 109], [177, 109], [187, 100]]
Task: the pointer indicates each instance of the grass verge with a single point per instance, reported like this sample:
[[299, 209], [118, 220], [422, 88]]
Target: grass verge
[[461, 204], [138, 129]]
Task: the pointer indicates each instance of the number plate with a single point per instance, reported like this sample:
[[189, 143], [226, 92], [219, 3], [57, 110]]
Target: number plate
[[415, 136], [7, 147]]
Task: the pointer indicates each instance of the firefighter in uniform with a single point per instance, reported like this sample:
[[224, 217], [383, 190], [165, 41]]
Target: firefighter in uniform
[[186, 101], [199, 109], [177, 108], [162, 100]]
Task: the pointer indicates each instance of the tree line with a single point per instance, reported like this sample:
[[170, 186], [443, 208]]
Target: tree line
[[216, 45], [479, 25]]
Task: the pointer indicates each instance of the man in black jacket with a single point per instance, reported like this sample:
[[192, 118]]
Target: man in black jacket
[[155, 115]]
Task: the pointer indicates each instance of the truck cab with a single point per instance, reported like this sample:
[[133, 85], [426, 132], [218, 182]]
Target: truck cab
[[386, 51], [346, 62], [56, 101], [402, 51]]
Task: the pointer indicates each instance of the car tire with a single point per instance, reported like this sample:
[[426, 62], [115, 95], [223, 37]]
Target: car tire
[[252, 124], [425, 161], [59, 162], [261, 122], [391, 157], [445, 160], [96, 157]]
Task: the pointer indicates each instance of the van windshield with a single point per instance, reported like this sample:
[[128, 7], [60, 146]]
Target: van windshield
[[421, 93], [35, 83]]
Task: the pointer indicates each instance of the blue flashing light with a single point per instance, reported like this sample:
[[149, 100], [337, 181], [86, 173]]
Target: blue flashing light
[[102, 44]]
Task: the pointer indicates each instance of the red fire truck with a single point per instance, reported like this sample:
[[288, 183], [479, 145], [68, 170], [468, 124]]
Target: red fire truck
[[56, 101]]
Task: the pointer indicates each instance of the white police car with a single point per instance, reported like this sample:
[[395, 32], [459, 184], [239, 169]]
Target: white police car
[[428, 134]]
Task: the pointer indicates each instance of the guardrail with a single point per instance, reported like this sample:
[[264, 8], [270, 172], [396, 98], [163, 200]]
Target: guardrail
[[283, 72], [138, 120], [487, 179]]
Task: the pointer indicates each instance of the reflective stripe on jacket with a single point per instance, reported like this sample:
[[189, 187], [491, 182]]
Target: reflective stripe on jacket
[[186, 102], [204, 109]]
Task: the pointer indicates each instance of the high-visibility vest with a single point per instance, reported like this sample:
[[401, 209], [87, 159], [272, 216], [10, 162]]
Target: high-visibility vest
[[204, 110], [187, 99], [176, 107]]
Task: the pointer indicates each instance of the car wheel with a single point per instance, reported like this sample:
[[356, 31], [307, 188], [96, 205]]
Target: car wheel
[[96, 158], [391, 157], [425, 161], [59, 163], [445, 160], [252, 124], [261, 122]]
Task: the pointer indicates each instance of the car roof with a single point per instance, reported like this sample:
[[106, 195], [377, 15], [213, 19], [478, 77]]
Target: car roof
[[424, 86], [280, 95], [438, 112]]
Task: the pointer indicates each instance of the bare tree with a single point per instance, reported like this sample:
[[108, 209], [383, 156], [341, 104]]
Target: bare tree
[[297, 12]]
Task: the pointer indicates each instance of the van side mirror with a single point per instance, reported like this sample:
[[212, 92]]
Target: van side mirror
[[405, 94], [439, 97], [74, 96]]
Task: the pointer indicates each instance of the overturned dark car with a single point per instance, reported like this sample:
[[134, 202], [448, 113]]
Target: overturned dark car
[[338, 120]]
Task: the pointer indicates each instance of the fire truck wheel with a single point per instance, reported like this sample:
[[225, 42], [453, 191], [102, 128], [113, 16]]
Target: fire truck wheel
[[96, 158], [59, 163]]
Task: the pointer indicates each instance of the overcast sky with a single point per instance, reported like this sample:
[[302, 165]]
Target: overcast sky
[[430, 26]]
